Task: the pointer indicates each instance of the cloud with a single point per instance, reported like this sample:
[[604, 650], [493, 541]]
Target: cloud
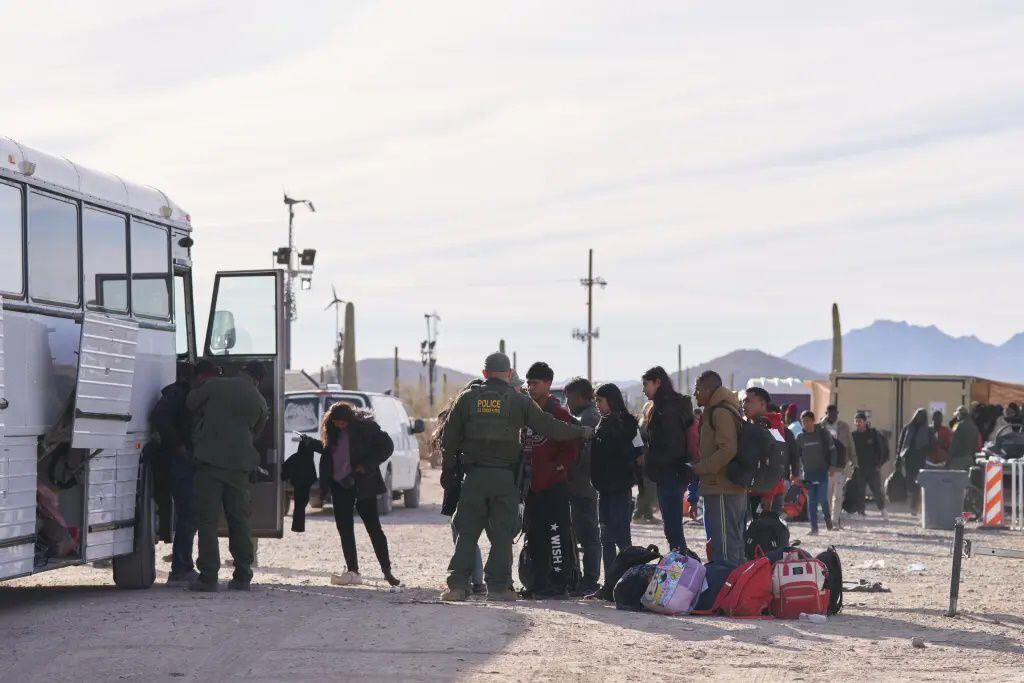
[[735, 167]]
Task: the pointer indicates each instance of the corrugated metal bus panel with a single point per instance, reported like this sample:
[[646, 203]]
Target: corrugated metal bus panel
[[106, 373], [17, 504]]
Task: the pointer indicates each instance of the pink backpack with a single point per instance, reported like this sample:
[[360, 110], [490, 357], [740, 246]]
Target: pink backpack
[[798, 585], [675, 586]]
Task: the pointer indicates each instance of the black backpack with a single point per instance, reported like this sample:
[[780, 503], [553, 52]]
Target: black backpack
[[632, 586], [896, 484], [760, 459], [853, 494], [629, 557], [766, 532], [833, 578]]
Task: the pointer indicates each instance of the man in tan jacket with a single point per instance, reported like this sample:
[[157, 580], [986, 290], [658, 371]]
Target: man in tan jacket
[[725, 503]]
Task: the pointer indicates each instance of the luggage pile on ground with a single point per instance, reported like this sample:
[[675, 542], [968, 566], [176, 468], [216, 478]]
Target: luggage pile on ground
[[778, 580]]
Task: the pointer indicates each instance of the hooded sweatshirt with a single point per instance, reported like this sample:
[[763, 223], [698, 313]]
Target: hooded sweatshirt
[[719, 437], [547, 455]]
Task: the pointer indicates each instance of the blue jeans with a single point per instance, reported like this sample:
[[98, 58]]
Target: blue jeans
[[817, 493], [614, 512], [670, 498], [182, 471]]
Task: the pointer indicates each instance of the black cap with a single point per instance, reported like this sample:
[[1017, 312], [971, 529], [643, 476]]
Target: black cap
[[497, 362], [861, 415]]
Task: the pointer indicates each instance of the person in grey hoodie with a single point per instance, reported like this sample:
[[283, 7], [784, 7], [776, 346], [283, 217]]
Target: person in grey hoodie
[[579, 396]]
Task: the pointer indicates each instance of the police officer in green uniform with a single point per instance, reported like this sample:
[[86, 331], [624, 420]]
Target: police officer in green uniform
[[228, 414], [484, 427]]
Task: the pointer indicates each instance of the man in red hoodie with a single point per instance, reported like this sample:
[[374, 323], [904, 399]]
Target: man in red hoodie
[[547, 517]]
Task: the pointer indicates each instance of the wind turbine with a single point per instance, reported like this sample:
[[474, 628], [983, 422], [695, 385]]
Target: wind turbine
[[336, 302]]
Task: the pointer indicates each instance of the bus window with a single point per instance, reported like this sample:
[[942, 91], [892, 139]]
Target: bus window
[[104, 260], [182, 318], [244, 321], [11, 280], [150, 271], [53, 249]]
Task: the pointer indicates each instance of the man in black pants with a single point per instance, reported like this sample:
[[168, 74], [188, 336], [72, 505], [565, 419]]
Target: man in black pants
[[872, 453], [579, 395]]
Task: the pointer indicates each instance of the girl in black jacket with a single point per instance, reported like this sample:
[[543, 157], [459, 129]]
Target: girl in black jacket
[[612, 455], [354, 447]]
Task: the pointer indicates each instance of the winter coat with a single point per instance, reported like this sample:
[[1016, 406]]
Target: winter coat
[[579, 473], [613, 453], [300, 467], [719, 439], [964, 445], [667, 455], [370, 447], [228, 416], [171, 420], [871, 449], [916, 440], [550, 460]]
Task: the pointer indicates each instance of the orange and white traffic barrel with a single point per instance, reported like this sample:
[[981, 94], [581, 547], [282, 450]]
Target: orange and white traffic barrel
[[993, 494]]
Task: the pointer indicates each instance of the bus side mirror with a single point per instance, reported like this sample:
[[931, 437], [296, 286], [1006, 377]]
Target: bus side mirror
[[416, 427], [223, 336]]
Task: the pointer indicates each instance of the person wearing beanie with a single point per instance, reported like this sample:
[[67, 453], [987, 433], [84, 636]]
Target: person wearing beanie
[[872, 452], [483, 433]]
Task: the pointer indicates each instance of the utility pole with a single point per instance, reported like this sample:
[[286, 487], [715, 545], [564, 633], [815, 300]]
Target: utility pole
[[501, 346], [679, 372], [339, 338], [396, 372], [515, 361], [590, 334], [297, 265], [428, 353]]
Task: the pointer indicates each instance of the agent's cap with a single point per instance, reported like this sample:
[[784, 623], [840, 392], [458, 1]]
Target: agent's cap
[[497, 362]]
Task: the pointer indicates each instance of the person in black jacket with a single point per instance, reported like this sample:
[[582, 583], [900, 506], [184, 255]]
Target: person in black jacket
[[666, 461], [613, 452], [172, 423], [354, 447], [872, 452]]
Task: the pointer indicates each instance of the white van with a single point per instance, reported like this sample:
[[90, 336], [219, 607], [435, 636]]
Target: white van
[[303, 411]]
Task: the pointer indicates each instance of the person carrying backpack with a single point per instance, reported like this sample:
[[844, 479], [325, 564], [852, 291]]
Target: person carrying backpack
[[871, 455], [613, 451], [666, 461], [916, 441], [842, 468], [817, 453], [725, 503]]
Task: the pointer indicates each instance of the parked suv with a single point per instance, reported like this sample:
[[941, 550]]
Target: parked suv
[[303, 411]]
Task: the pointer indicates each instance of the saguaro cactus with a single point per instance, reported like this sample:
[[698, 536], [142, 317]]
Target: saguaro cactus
[[349, 376], [837, 341]]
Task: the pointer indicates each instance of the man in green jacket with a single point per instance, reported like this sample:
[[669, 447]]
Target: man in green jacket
[[964, 445], [228, 414], [483, 427]]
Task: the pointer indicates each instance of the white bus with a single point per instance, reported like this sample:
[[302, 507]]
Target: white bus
[[96, 317]]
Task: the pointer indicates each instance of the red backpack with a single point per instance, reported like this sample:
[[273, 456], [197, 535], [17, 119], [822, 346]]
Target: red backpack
[[747, 592]]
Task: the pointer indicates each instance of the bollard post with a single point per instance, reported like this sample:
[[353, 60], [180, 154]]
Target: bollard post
[[958, 556], [1017, 494]]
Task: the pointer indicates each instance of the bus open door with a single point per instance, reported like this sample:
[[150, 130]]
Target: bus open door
[[247, 322]]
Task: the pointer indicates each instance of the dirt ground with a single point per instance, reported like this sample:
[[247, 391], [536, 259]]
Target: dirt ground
[[73, 625]]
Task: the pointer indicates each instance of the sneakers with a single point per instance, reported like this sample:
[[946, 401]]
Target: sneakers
[[203, 587], [506, 595], [885, 516], [239, 585], [182, 578], [455, 595], [346, 579], [391, 579]]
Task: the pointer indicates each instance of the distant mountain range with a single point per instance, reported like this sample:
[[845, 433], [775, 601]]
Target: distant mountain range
[[736, 369], [378, 374], [898, 347]]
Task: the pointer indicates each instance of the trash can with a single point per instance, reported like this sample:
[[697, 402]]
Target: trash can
[[942, 497]]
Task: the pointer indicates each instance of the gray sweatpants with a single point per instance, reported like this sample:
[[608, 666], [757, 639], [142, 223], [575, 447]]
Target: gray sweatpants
[[725, 519]]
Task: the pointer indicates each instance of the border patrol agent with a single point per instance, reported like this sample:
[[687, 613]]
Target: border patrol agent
[[484, 427]]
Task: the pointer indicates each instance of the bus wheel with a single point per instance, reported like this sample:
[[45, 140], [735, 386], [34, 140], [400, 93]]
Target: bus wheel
[[138, 570]]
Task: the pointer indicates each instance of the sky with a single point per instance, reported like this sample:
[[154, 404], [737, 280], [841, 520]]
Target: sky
[[736, 167]]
